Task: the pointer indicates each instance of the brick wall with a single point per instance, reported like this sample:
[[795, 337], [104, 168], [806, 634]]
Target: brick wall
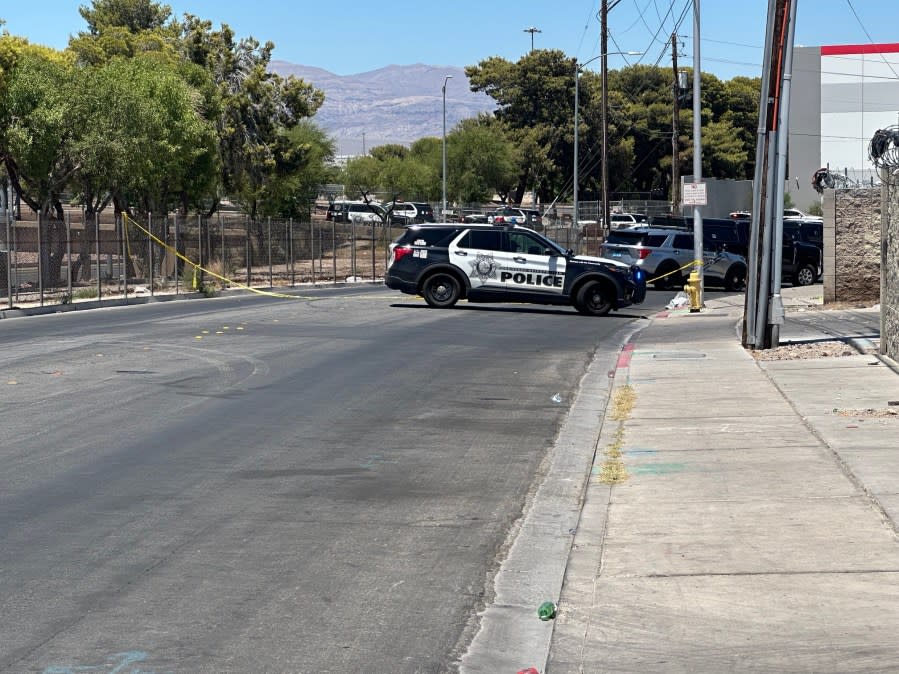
[[889, 307], [852, 245]]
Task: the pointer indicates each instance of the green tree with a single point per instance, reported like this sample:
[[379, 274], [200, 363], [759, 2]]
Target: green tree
[[305, 165], [123, 28], [146, 142], [481, 161], [536, 103], [36, 140], [257, 107], [38, 129]]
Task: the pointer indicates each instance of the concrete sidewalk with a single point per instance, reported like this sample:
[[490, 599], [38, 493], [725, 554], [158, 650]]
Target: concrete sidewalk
[[749, 522]]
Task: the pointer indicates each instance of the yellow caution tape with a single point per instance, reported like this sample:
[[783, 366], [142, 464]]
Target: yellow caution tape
[[195, 266], [694, 263]]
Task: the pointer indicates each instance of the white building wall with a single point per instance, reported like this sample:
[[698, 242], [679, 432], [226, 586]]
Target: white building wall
[[859, 94], [841, 96]]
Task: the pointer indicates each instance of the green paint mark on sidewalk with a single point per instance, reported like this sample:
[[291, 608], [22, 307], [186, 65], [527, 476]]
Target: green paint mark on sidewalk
[[658, 468]]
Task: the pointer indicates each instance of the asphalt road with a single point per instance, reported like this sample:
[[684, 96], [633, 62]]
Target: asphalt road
[[261, 485]]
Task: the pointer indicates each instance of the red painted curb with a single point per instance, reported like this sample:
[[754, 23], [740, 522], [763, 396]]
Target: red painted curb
[[624, 358]]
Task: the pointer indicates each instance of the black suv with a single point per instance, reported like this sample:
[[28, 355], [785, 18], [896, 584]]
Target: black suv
[[801, 262], [506, 263]]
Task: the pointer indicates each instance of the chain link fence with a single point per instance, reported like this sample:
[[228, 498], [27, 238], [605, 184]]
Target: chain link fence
[[84, 257], [96, 257]]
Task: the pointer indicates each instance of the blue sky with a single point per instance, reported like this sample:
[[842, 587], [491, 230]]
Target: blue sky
[[353, 36]]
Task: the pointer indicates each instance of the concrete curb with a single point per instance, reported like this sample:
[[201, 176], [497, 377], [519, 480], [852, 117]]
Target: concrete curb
[[510, 637]]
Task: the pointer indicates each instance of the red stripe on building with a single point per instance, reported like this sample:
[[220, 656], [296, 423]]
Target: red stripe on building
[[851, 49]]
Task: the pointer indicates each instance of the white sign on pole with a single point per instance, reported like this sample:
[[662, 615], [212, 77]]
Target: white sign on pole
[[695, 194]]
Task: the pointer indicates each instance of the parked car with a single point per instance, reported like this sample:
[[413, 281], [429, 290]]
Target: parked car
[[796, 214], [511, 215], [406, 213], [356, 211], [807, 231], [665, 255], [801, 263], [619, 220], [506, 263]]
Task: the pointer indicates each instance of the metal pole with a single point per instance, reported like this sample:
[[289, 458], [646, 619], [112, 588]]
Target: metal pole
[[177, 260], [124, 231], [373, 246], [675, 132], [198, 270], [697, 149], [761, 319], [271, 271], [40, 256], [352, 253], [333, 250], [247, 251], [222, 237], [752, 305], [9, 254], [69, 253], [312, 247], [150, 249], [604, 60], [97, 246], [443, 212], [776, 313], [577, 78], [293, 268], [15, 250]]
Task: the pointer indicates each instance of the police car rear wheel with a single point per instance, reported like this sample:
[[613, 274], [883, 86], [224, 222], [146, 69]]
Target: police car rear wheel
[[441, 291], [592, 300]]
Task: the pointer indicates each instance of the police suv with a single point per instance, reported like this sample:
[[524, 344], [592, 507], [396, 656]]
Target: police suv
[[506, 263]]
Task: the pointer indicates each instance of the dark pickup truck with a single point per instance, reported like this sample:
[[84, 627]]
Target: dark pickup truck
[[801, 261]]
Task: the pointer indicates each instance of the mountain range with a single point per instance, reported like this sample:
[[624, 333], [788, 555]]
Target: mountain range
[[395, 104]]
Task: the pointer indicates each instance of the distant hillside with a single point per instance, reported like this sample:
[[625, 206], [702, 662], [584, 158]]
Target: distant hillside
[[396, 104]]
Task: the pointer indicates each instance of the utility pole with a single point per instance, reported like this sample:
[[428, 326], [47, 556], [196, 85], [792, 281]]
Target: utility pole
[[763, 313], [675, 132], [604, 60], [697, 149]]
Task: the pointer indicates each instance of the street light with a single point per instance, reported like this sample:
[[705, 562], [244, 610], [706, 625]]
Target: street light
[[532, 30], [578, 67], [445, 79]]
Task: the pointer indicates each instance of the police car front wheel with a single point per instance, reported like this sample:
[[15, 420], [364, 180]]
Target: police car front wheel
[[441, 291], [593, 299]]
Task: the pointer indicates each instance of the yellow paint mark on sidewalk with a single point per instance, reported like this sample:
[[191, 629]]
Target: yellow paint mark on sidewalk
[[613, 468]]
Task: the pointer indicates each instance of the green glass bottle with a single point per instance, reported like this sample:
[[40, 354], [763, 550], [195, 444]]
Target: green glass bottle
[[547, 611]]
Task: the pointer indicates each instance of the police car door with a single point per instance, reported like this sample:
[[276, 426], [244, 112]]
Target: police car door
[[476, 253], [528, 266]]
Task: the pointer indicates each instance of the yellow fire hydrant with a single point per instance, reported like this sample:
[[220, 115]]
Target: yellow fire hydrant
[[693, 291]]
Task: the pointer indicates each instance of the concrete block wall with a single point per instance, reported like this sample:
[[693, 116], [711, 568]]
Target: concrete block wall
[[852, 245], [889, 302]]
